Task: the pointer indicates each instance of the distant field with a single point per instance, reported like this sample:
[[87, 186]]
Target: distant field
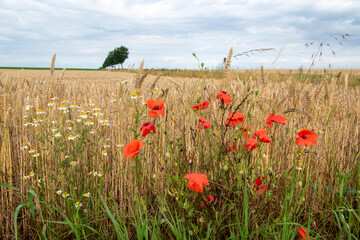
[[63, 173]]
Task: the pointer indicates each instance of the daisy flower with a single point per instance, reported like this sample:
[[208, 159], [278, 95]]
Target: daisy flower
[[73, 163], [36, 155], [86, 194], [39, 112], [155, 91], [94, 173], [62, 108], [104, 152], [120, 145], [26, 177], [50, 104], [65, 101], [35, 124], [53, 122], [57, 135], [31, 174], [58, 192], [28, 124], [71, 137], [32, 151], [70, 127], [100, 174], [122, 82], [54, 129], [24, 147], [98, 113], [96, 109], [84, 115], [28, 107], [133, 96], [53, 98], [88, 123], [106, 146], [78, 204], [91, 104], [78, 119], [65, 195]]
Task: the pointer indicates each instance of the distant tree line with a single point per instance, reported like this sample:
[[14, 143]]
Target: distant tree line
[[116, 57]]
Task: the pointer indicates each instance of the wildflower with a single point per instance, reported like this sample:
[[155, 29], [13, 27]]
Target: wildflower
[[104, 152], [70, 127], [94, 173], [131, 150], [133, 96], [53, 122], [73, 163], [224, 97], [100, 174], [138, 92], [245, 131], [62, 108], [65, 101], [234, 119], [57, 135], [303, 233], [260, 188], [106, 146], [36, 155], [50, 104], [40, 180], [147, 128], [203, 124], [71, 137], [155, 91], [24, 147], [262, 135], [78, 119], [210, 199], [28, 107], [35, 124], [32, 151], [231, 146], [39, 112], [299, 164], [121, 82], [53, 98], [86, 194], [306, 138], [39, 120], [84, 115], [31, 174], [54, 129], [91, 104], [58, 192], [105, 122], [68, 121], [275, 118], [197, 181], [88, 123], [92, 132], [72, 106], [96, 109], [65, 195], [157, 107], [28, 124], [251, 144], [78, 204], [120, 145], [26, 177], [201, 106], [98, 113]]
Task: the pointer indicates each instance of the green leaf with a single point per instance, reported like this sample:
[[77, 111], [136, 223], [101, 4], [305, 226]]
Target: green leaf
[[198, 100], [8, 186]]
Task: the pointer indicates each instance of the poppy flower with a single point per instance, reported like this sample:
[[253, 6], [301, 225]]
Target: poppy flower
[[211, 200], [147, 128], [262, 135], [245, 129], [306, 138], [302, 232], [251, 143], [224, 97], [157, 107], [231, 146], [197, 181], [234, 119], [275, 118], [260, 188], [203, 124], [201, 106], [131, 150]]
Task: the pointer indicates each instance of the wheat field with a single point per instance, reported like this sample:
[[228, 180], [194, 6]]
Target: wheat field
[[85, 189]]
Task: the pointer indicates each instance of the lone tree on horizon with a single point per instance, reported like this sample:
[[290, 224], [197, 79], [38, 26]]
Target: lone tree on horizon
[[116, 56]]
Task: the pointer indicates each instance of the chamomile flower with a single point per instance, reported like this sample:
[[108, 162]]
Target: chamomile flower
[[92, 132], [81, 109], [54, 98], [50, 104], [32, 151], [78, 204], [35, 124], [96, 109], [70, 127], [72, 106], [62, 108], [68, 121], [155, 91], [122, 82], [88, 123], [40, 180], [84, 115], [86, 194], [26, 177], [58, 192], [73, 163], [39, 120], [65, 101], [94, 173], [54, 129], [133, 96], [104, 152], [31, 174], [71, 137], [120, 145], [91, 104], [53, 122], [57, 135], [65, 195], [39, 112], [36, 155], [100, 174], [98, 113], [105, 123], [106, 146], [299, 165], [24, 147], [28, 107], [28, 124], [78, 119]]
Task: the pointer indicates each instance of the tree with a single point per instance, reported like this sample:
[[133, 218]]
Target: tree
[[116, 56]]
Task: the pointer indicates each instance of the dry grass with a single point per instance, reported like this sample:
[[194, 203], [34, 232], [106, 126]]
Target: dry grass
[[329, 109]]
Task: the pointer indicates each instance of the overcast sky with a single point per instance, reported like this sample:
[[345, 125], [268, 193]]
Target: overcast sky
[[166, 33]]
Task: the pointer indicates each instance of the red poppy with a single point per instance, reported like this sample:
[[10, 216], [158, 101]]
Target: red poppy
[[203, 124], [147, 128], [260, 188], [302, 232], [234, 119], [157, 107], [131, 150], [197, 181], [201, 106], [231, 146], [211, 200], [275, 118], [224, 97], [251, 143], [245, 129], [262, 135], [306, 138]]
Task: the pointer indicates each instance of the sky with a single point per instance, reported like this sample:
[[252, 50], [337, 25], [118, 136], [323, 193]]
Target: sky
[[166, 33]]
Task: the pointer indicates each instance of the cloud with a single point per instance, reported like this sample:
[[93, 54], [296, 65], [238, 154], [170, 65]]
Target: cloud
[[166, 33]]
